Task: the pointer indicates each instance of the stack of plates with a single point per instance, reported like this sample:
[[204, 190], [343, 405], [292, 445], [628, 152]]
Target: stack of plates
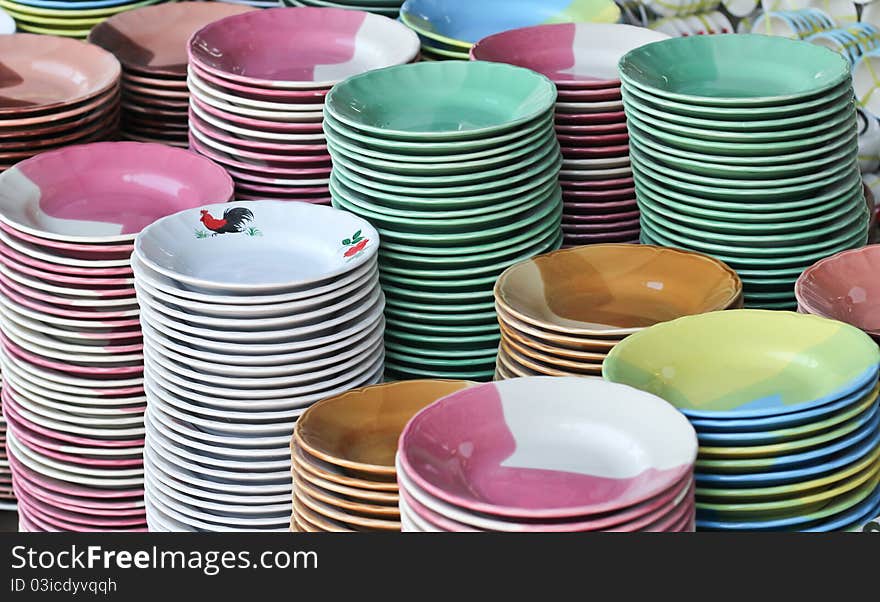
[[251, 312], [69, 18], [7, 23], [449, 28], [69, 332], [56, 92], [7, 497], [459, 190], [386, 8], [581, 59], [561, 313], [151, 44], [256, 98], [343, 451], [755, 166], [786, 410], [482, 459]]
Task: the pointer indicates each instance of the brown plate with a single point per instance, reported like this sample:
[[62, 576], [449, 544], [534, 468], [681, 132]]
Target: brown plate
[[41, 73], [13, 124], [176, 83], [154, 39], [358, 508], [96, 121], [154, 92]]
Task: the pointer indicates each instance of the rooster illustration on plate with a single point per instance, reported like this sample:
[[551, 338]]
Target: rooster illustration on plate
[[235, 220]]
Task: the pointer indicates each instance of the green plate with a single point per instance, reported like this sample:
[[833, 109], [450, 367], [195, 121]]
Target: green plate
[[709, 165], [755, 234], [415, 209], [404, 305], [452, 363], [733, 222], [438, 167], [742, 149], [448, 341], [443, 296], [403, 371], [550, 162], [734, 70], [427, 351], [540, 156], [756, 284], [441, 101], [430, 150], [396, 325], [428, 225], [746, 114], [547, 178], [440, 319], [443, 53], [790, 132], [475, 285], [846, 189], [644, 167]]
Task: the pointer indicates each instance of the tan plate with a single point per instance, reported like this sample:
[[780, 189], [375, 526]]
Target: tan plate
[[367, 510], [551, 361], [96, 121], [314, 522], [322, 469], [365, 495], [361, 523], [359, 429], [590, 345], [538, 345], [14, 123], [41, 73], [611, 290], [512, 368], [539, 366], [154, 39]]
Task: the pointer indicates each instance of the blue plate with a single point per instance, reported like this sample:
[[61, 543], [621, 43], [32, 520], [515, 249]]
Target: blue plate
[[769, 479], [855, 517], [784, 420], [74, 5]]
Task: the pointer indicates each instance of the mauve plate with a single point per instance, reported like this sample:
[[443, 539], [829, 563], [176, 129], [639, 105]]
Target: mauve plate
[[589, 118]]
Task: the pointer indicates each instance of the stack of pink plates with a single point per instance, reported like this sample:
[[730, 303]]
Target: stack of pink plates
[[7, 497], [547, 454], [55, 92], [70, 336], [150, 43], [257, 84], [581, 59]]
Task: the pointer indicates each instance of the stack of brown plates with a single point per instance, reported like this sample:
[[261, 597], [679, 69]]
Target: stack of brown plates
[[561, 313], [150, 43], [55, 92], [343, 451]]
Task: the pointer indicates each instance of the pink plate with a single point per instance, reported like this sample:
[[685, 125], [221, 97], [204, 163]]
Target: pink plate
[[130, 185], [574, 216], [27, 356], [279, 127], [76, 522], [270, 169], [72, 249], [628, 236], [592, 95], [568, 185], [103, 319], [594, 140], [301, 47], [260, 146], [65, 280], [59, 268], [589, 224], [598, 196], [493, 449], [259, 93], [76, 459], [93, 509], [257, 189], [597, 129], [589, 118], [589, 152], [281, 161]]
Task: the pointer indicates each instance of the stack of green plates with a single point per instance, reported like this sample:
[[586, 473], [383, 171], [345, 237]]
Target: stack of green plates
[[745, 147], [456, 165]]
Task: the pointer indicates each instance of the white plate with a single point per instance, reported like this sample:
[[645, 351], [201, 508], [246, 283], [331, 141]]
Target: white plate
[[28, 384], [34, 404], [71, 337], [73, 323], [38, 253], [17, 332], [316, 138], [203, 89], [75, 408], [73, 429], [55, 380], [282, 258], [93, 360], [88, 296], [288, 116], [258, 158], [176, 511]]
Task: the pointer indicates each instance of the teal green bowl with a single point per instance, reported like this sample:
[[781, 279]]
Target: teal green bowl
[[543, 182], [468, 330], [742, 70], [744, 114], [843, 116], [545, 152], [463, 351], [645, 168], [745, 149], [405, 291], [442, 319], [401, 371], [745, 363], [768, 187], [441, 101], [434, 308], [785, 128], [428, 151], [759, 207], [719, 166]]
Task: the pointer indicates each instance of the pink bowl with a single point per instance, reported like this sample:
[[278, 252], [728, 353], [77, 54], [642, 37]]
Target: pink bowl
[[290, 47], [17, 258], [278, 127], [76, 459], [596, 129], [844, 287], [26, 356], [599, 196], [48, 517], [589, 118], [258, 93], [70, 249], [597, 95], [576, 185], [285, 162], [11, 410], [586, 225], [63, 279], [259, 146], [129, 185], [589, 152], [94, 507], [494, 449], [627, 236], [594, 140], [609, 219]]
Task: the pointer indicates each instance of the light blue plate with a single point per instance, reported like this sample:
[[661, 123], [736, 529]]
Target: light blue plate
[[768, 479], [74, 5], [855, 517]]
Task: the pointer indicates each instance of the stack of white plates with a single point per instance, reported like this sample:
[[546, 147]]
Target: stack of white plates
[[69, 331], [251, 313], [7, 497]]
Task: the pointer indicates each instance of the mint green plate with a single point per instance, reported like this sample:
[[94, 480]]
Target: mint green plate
[[443, 54], [428, 150], [441, 319], [748, 225], [752, 258], [547, 151], [441, 101], [551, 162], [478, 286], [734, 70], [452, 363], [546, 180], [478, 354], [396, 325], [400, 370], [642, 167], [427, 224], [846, 189], [642, 154], [413, 306], [451, 341], [416, 210], [746, 114], [715, 166], [405, 291], [744, 149], [399, 164], [792, 128]]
